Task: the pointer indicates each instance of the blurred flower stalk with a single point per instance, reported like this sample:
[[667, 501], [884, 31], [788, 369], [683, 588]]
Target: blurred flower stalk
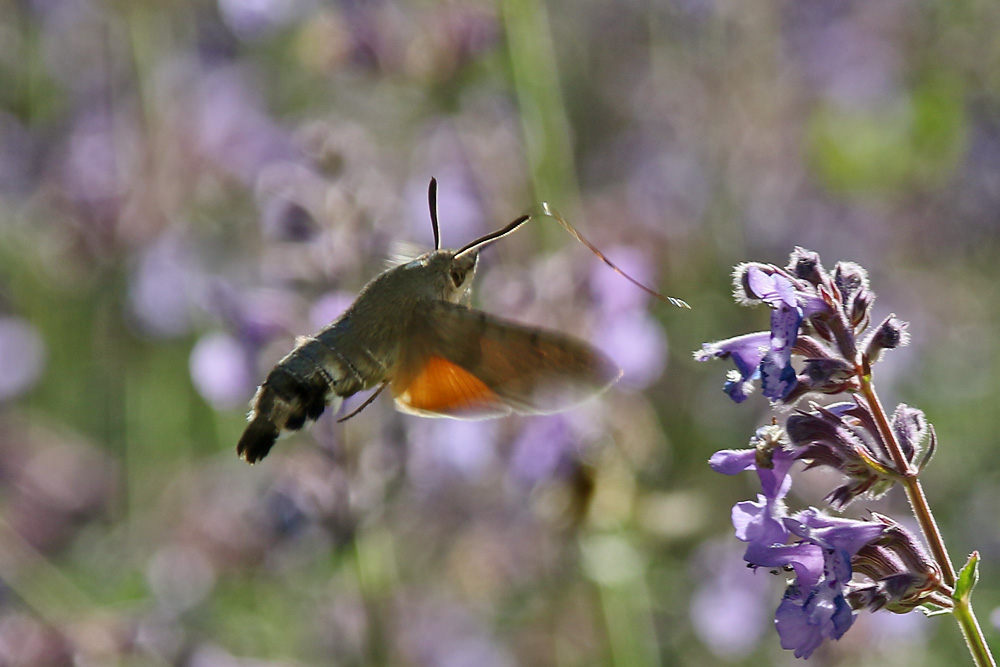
[[824, 317]]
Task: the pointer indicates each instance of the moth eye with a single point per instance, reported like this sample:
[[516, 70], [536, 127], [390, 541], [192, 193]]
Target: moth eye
[[457, 277]]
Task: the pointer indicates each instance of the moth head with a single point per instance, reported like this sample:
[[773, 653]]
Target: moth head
[[461, 264], [461, 271]]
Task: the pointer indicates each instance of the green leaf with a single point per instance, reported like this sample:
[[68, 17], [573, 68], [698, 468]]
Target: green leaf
[[967, 579]]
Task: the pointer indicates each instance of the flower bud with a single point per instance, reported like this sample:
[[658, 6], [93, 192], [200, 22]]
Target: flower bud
[[852, 281], [890, 334], [805, 264]]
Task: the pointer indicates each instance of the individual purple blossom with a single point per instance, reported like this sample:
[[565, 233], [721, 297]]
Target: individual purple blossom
[[763, 355], [776, 372], [815, 606], [766, 456], [747, 352], [22, 356], [760, 523]]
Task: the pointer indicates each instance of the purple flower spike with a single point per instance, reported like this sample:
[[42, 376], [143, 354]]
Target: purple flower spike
[[822, 317], [816, 547]]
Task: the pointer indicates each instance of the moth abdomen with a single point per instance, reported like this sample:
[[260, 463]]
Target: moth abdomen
[[285, 402], [258, 438]]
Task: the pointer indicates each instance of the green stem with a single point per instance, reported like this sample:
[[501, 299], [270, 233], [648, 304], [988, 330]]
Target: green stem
[[545, 123], [973, 634], [962, 610]]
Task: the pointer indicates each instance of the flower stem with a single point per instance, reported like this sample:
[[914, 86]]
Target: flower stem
[[914, 492], [973, 634], [918, 502], [962, 610]]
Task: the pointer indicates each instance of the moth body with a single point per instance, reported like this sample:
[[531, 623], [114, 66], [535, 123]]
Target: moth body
[[411, 329], [357, 351]]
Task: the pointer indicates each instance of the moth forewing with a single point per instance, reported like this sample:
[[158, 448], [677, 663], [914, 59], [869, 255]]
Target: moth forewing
[[489, 366]]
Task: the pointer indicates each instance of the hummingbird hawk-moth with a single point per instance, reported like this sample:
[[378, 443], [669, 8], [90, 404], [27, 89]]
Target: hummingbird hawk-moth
[[411, 329]]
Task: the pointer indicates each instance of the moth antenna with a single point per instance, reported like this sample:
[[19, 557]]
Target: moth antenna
[[368, 401], [552, 213], [492, 236], [432, 200]]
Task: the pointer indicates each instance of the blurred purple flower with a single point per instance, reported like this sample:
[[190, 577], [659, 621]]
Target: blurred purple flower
[[439, 633], [329, 307], [164, 287], [250, 19], [664, 183], [625, 330], [55, 487], [22, 357], [223, 365], [848, 53], [729, 610], [220, 367], [615, 294], [26, 639], [637, 343], [542, 448], [233, 130], [448, 446], [283, 219], [255, 317], [96, 166]]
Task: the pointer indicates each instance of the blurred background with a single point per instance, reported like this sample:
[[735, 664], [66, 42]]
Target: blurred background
[[185, 186]]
